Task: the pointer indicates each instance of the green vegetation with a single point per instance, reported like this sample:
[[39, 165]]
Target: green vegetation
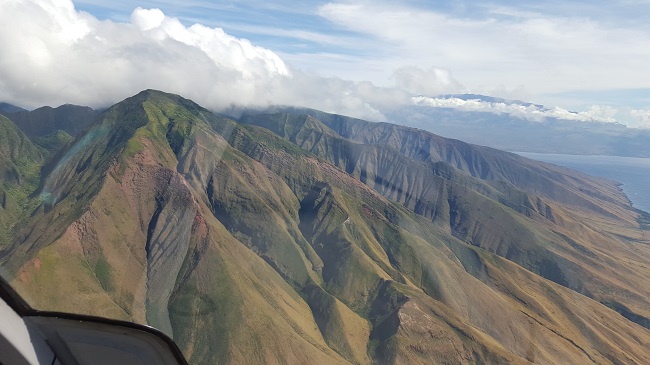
[[53, 142], [104, 273], [20, 164]]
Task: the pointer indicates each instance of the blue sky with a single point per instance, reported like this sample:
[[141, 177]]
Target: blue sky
[[295, 27], [573, 54]]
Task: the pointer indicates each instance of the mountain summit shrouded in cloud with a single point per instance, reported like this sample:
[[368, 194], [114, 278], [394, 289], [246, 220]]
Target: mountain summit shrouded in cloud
[[527, 111], [514, 125]]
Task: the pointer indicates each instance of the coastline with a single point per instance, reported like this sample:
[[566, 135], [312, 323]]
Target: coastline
[[629, 173]]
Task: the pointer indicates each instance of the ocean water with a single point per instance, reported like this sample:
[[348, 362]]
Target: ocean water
[[632, 172]]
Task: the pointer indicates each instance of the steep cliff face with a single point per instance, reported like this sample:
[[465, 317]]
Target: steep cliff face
[[304, 246]]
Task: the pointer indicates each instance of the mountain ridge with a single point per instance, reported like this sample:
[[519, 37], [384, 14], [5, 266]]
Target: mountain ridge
[[46, 120]]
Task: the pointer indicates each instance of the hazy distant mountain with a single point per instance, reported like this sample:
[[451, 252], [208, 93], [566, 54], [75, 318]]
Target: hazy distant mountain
[[519, 126], [8, 108], [43, 121], [490, 99], [53, 128], [303, 237]]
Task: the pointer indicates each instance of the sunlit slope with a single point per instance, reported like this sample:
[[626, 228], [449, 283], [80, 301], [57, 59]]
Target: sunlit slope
[[573, 229], [250, 249]]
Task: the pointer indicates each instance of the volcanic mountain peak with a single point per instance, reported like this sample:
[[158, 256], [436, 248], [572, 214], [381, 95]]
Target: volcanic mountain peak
[[489, 99]]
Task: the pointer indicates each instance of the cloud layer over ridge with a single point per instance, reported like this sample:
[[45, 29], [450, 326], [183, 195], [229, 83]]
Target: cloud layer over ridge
[[529, 112]]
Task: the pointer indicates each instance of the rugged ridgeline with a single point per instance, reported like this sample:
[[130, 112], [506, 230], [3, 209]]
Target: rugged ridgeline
[[324, 240], [467, 189], [51, 128]]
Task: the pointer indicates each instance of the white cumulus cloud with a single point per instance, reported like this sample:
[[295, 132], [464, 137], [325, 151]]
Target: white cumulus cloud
[[53, 54], [146, 19], [433, 81], [224, 50], [641, 118]]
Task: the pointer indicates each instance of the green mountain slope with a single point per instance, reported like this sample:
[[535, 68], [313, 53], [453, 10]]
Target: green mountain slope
[[251, 248], [20, 162], [53, 128]]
